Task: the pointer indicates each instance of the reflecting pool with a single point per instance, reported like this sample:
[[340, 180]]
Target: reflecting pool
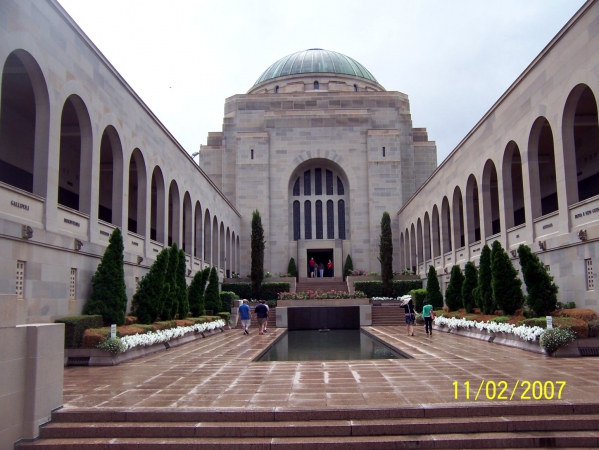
[[314, 345]]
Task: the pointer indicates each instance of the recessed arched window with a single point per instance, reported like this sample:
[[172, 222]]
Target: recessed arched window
[[330, 220], [316, 86], [340, 190], [319, 225], [308, 219], [329, 182], [296, 220], [318, 181], [276, 89], [296, 188], [307, 183], [355, 88], [341, 219]]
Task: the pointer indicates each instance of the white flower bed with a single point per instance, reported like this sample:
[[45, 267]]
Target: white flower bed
[[155, 337], [523, 332]]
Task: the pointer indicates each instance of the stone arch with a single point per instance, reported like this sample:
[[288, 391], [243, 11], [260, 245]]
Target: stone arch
[[24, 124], [174, 214], [446, 225], [472, 210], [458, 218], [198, 231], [580, 135], [513, 186], [110, 193], [490, 199], [136, 208], [436, 231], [402, 264], [228, 254], [187, 244], [215, 242], [407, 261], [222, 245], [413, 254], [207, 237], [427, 237], [157, 206], [541, 169], [419, 242]]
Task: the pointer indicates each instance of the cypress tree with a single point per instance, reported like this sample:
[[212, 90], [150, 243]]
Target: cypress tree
[[109, 295], [212, 296], [470, 282], [507, 291], [257, 267], [147, 300], [182, 301], [484, 290], [195, 294], [542, 291], [433, 290], [386, 255], [292, 268], [169, 294], [453, 293], [349, 266]]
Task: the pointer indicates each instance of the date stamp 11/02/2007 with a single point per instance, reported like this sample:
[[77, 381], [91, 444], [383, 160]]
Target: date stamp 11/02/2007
[[503, 390]]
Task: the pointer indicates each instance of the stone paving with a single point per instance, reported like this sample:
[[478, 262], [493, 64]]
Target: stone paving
[[218, 372]]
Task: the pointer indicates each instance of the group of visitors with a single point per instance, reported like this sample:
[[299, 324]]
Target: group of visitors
[[410, 313], [318, 269], [261, 312]]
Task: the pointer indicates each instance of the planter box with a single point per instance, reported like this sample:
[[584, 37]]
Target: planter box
[[97, 357]]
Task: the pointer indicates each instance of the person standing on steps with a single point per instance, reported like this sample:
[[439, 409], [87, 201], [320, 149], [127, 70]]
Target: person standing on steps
[[312, 265], [427, 315], [321, 269], [410, 311], [261, 315], [244, 315], [330, 269]]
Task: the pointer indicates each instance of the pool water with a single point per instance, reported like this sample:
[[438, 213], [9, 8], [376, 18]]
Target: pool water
[[314, 345]]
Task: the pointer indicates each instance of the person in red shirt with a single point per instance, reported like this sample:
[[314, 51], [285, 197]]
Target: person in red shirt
[[330, 268], [312, 265]]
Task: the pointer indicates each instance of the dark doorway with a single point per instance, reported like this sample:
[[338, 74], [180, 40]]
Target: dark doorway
[[321, 256]]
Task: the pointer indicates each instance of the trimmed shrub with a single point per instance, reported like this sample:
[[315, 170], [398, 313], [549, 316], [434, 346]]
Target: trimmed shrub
[[507, 291], [593, 328], [195, 293], [541, 290], [433, 290], [147, 300], [556, 338], [370, 288], [75, 326], [225, 316], [502, 319], [292, 268], [470, 283], [453, 293], [212, 297], [257, 265], [109, 297], [386, 255], [588, 315], [402, 287], [349, 266], [112, 345], [243, 290], [94, 336], [182, 301], [484, 289], [270, 291], [418, 297], [226, 300]]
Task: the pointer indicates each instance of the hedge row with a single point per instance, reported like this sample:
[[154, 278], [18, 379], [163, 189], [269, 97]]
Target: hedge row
[[269, 290], [75, 326], [375, 288]]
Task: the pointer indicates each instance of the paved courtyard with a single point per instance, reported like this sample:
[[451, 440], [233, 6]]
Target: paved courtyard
[[218, 372]]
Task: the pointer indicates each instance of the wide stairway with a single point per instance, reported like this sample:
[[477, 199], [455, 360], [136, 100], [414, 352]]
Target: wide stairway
[[387, 315], [321, 284], [459, 426]]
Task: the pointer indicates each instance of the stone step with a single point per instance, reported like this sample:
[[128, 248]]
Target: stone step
[[321, 428], [551, 439]]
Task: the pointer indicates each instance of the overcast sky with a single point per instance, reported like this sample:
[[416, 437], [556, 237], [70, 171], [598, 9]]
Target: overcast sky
[[453, 59]]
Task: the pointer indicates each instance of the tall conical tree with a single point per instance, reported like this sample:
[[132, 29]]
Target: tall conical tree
[[433, 290], [349, 266], [109, 295], [195, 294], [147, 300], [453, 293], [484, 289], [257, 268], [507, 290], [212, 296], [182, 302], [470, 283], [386, 255], [292, 268], [170, 304], [542, 291]]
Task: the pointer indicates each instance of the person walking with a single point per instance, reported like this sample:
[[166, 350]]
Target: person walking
[[410, 311], [244, 315], [321, 269], [261, 315], [428, 315], [267, 316]]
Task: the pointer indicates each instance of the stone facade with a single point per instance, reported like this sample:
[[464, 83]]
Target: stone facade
[[527, 173]]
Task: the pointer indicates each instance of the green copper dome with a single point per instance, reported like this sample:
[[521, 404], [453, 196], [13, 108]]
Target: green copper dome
[[315, 60]]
